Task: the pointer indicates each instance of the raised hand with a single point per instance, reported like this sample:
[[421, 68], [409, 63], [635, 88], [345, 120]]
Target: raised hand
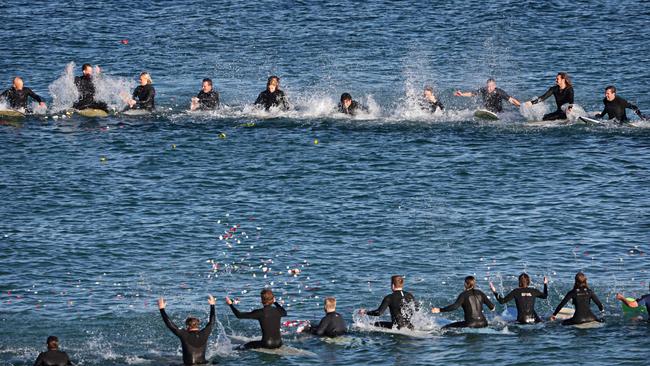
[[211, 300], [228, 301], [161, 303]]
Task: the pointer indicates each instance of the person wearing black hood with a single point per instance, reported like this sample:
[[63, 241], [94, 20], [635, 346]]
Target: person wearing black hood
[[272, 96], [86, 89], [349, 106]]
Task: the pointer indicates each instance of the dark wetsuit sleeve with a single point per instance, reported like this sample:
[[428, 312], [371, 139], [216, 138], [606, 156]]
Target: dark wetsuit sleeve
[[442, 107], [596, 301], [146, 99], [570, 96], [564, 301], [487, 301], [503, 95], [321, 328], [259, 100], [544, 294], [169, 323], [255, 314], [281, 309], [5, 94], [210, 324], [34, 96], [503, 300], [632, 107], [543, 97], [382, 307], [284, 102], [455, 305], [41, 356]]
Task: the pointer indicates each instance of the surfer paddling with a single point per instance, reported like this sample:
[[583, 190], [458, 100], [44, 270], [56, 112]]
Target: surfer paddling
[[207, 99], [401, 304], [143, 94], [86, 89], [492, 96], [18, 95], [524, 297]]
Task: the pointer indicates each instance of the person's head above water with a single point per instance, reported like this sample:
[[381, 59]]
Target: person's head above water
[[428, 93], [330, 304], [580, 281], [524, 280], [207, 85], [272, 83], [52, 342], [18, 83], [563, 80], [491, 85], [267, 297], [610, 92], [145, 78], [396, 282], [346, 100], [470, 282], [87, 69], [192, 323]]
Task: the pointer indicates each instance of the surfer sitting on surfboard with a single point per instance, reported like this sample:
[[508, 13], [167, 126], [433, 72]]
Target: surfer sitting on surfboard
[[563, 93], [491, 95], [332, 324], [472, 301], [86, 89], [524, 299], [194, 341], [644, 300], [401, 304], [272, 96], [17, 95], [615, 106], [207, 99], [269, 318], [582, 296], [430, 102], [145, 94], [349, 106]]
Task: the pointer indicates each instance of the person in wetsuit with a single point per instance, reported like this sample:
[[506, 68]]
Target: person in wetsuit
[[472, 301], [643, 300], [402, 306], [53, 357], [272, 96], [349, 106], [269, 318], [86, 89], [430, 102], [491, 95], [332, 324], [194, 341], [615, 106], [207, 99], [563, 93], [145, 94], [581, 295], [524, 299], [18, 94]]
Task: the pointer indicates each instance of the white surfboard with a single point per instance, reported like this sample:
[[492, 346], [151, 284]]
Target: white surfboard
[[282, 351], [485, 114], [136, 112], [591, 121]]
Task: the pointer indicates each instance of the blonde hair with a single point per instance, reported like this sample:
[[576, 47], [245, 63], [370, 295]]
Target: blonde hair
[[147, 77], [330, 304]]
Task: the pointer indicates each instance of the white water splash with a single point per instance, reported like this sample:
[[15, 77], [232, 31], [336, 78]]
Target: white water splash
[[112, 90], [533, 112], [64, 92]]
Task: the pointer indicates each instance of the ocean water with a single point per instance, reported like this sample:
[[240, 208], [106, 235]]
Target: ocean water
[[100, 217]]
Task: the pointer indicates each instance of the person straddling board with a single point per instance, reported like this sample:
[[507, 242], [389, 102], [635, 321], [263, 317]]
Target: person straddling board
[[269, 318], [643, 300], [524, 297], [563, 93], [491, 95], [402, 306], [581, 296], [53, 357], [86, 89], [332, 324], [472, 301], [18, 95], [194, 341], [207, 99], [145, 94], [349, 106], [430, 102], [615, 106], [272, 96]]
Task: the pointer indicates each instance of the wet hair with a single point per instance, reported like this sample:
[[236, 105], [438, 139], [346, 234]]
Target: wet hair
[[397, 281], [612, 88], [85, 66], [346, 96], [271, 78], [490, 80], [192, 322], [52, 342], [330, 304], [147, 76], [524, 280], [267, 296], [208, 80], [428, 88], [581, 281], [470, 282], [566, 78]]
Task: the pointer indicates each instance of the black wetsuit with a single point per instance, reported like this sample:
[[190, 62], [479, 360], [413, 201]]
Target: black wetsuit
[[582, 298], [332, 325], [53, 357], [275, 99], [562, 97], [208, 100], [194, 343], [269, 318], [616, 109], [86, 90], [493, 101], [400, 314], [645, 300], [430, 106], [525, 301], [18, 98], [353, 109], [472, 301], [144, 96]]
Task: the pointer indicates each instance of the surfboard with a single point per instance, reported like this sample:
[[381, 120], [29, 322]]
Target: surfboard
[[282, 351], [565, 313], [485, 114], [136, 112], [92, 113], [11, 113], [589, 325], [628, 311], [590, 121], [404, 331]]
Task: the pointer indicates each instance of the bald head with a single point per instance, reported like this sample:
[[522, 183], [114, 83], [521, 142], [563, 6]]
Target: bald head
[[18, 83]]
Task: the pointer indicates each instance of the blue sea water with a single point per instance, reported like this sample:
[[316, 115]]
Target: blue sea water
[[100, 217]]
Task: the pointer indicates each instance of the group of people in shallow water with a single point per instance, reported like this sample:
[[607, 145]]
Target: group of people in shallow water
[[401, 304], [273, 97]]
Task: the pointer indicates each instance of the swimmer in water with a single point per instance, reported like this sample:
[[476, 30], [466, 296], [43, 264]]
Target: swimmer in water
[[524, 297], [86, 89], [53, 357], [145, 94], [472, 301], [430, 102], [581, 295], [491, 95], [332, 324], [643, 300], [17, 95], [269, 318], [194, 341], [349, 106], [615, 106], [401, 304], [207, 99], [272, 96], [563, 93]]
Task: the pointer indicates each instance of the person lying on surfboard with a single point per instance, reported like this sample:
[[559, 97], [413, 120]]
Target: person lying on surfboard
[[472, 301], [401, 304], [86, 89], [268, 317], [349, 106], [18, 94], [145, 94], [272, 96], [207, 99], [430, 102], [615, 106], [643, 300], [582, 296], [563, 93], [491, 95], [332, 324]]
